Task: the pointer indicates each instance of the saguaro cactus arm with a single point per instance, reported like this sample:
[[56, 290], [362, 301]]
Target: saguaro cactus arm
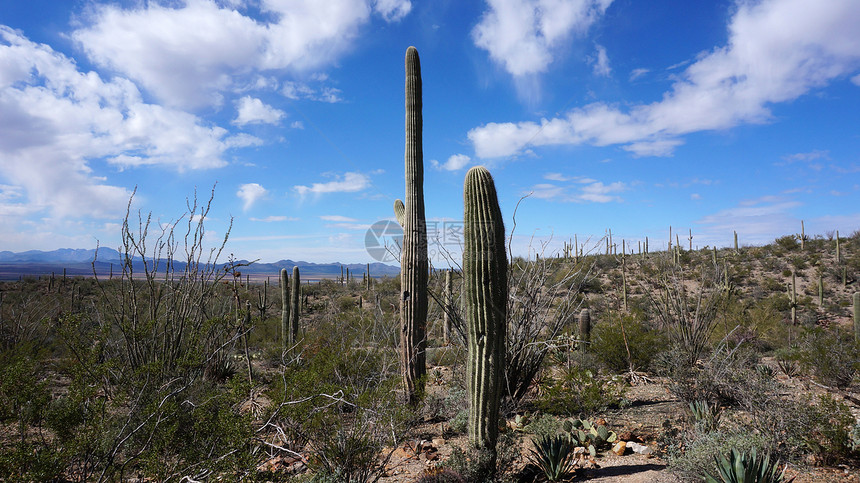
[[400, 211]]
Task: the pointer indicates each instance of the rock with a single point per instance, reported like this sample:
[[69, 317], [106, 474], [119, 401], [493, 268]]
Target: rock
[[619, 448], [637, 448], [437, 442]]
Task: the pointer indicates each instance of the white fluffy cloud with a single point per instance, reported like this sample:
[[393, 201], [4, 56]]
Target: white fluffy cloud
[[251, 110], [55, 120], [584, 190], [392, 10], [454, 163], [777, 51], [188, 55], [600, 62], [348, 183], [249, 193], [523, 35]]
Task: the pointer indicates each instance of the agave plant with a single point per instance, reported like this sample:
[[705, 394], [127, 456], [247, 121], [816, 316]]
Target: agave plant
[[554, 456], [706, 415], [749, 467]]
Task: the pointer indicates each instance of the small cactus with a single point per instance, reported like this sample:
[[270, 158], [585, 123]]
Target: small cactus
[[591, 436], [584, 329]]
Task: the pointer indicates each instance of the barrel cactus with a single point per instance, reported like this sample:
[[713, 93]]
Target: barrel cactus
[[485, 272]]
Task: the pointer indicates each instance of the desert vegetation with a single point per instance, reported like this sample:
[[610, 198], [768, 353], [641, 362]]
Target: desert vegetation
[[503, 369]]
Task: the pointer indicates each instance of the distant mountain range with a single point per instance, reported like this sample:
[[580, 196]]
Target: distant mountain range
[[79, 262]]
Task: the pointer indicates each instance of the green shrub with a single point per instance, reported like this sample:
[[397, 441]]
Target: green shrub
[[580, 391], [831, 355], [610, 349], [544, 425]]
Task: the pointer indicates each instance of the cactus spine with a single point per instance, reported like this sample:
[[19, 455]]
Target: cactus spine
[[485, 272], [287, 335], [414, 266], [294, 305]]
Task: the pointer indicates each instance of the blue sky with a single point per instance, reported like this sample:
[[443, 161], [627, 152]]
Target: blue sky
[[632, 116]]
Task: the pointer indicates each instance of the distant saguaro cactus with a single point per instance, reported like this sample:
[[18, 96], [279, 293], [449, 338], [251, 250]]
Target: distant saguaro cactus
[[294, 305], [414, 266], [286, 334], [584, 328], [857, 316], [485, 272]]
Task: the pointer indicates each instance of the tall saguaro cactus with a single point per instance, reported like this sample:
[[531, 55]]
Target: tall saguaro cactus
[[413, 257], [294, 305], [287, 335], [485, 272]]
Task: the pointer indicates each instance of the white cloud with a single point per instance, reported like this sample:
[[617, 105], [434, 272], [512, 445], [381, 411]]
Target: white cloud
[[810, 156], [250, 193], [600, 63], [55, 120], [524, 35], [454, 163], [252, 110], [299, 90], [189, 53], [777, 51], [637, 73], [275, 218], [348, 183], [392, 10], [756, 221], [588, 190], [601, 193], [338, 218]]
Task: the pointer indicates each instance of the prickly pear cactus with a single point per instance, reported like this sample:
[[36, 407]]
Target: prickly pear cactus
[[485, 272]]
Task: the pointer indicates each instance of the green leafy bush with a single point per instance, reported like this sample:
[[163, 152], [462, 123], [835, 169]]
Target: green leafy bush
[[831, 355], [643, 343], [581, 391]]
